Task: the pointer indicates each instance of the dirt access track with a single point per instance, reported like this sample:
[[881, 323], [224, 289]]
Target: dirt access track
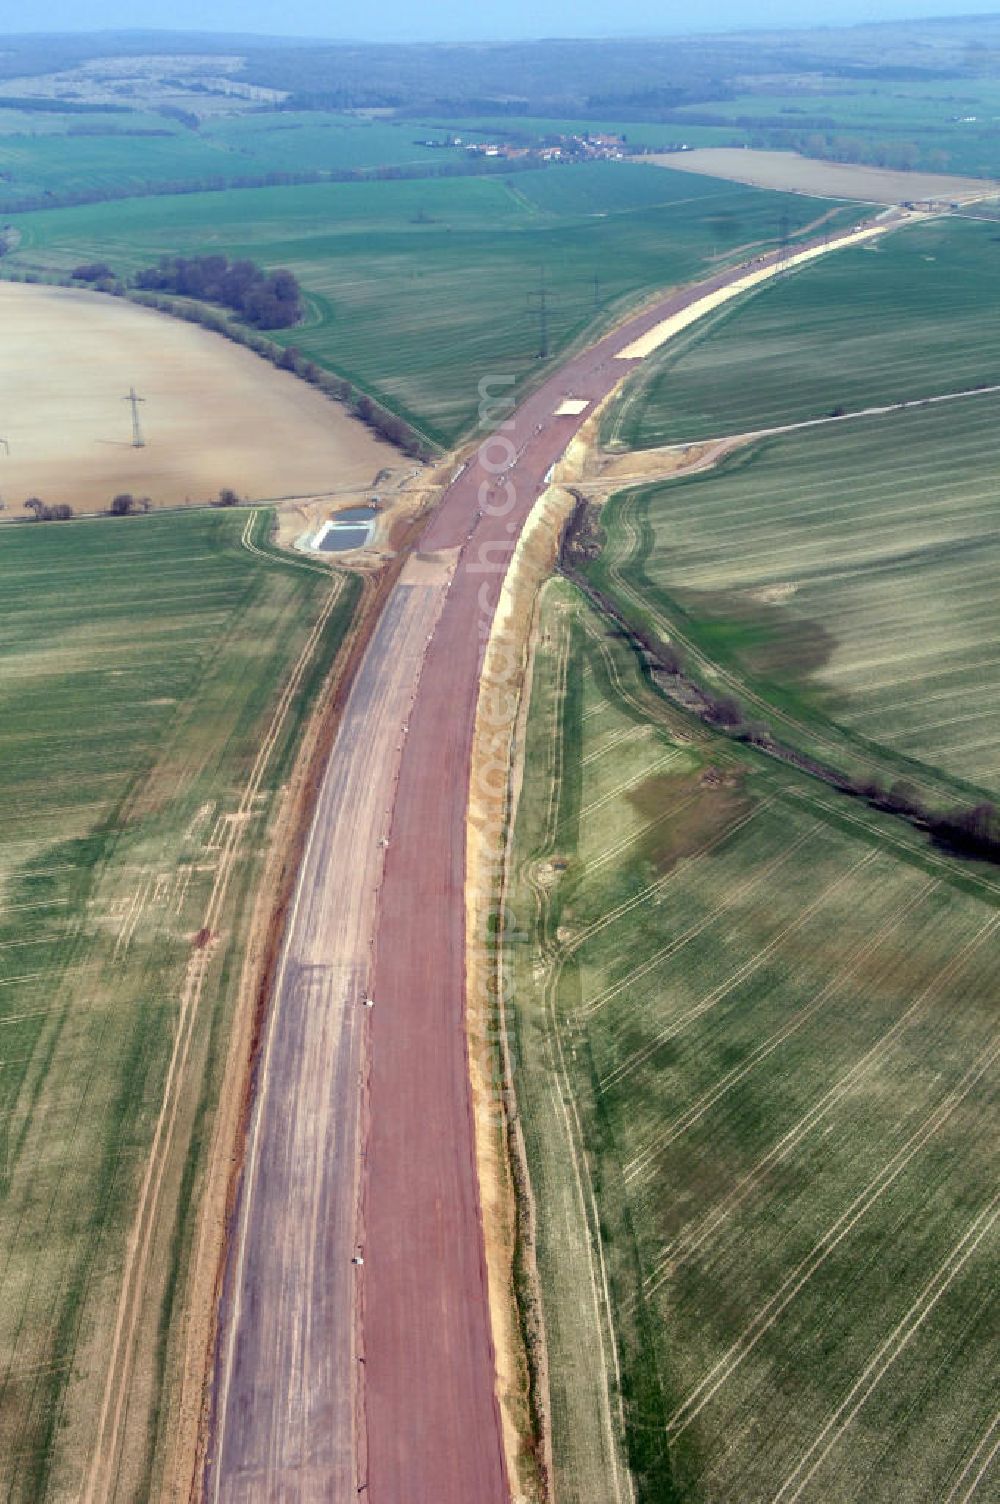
[[355, 1353], [214, 413], [789, 172]]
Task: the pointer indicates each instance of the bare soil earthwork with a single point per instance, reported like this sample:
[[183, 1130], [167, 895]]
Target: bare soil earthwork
[[789, 172], [214, 414]]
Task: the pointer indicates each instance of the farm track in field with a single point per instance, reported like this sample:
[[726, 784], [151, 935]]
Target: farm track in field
[[619, 1478], [736, 440]]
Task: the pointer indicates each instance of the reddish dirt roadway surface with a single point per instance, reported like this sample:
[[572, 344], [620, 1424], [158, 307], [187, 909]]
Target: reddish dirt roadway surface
[[402, 1382]]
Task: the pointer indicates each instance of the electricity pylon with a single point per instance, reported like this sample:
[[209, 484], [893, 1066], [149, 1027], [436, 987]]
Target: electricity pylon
[[543, 314], [138, 441]]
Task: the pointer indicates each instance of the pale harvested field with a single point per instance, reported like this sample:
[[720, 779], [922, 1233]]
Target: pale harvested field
[[215, 414], [787, 171]]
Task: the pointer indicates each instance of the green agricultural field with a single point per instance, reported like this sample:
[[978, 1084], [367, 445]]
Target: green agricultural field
[[119, 154], [117, 161], [858, 328], [416, 290], [753, 1043], [840, 581], [153, 678], [37, 122], [290, 141]]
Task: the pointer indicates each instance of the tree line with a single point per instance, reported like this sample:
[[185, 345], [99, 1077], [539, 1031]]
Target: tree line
[[197, 278], [388, 425], [124, 504], [69, 198]]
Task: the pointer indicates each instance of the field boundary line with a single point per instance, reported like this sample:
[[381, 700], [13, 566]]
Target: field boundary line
[[918, 856], [879, 410]]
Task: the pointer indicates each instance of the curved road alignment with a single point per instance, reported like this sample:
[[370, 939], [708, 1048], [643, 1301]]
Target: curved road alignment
[[336, 1379]]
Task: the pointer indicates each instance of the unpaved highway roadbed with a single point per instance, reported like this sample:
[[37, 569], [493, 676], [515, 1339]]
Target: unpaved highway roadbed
[[425, 1422], [284, 1418]]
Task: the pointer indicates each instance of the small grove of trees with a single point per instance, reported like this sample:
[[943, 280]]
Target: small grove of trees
[[227, 497], [127, 505], [93, 271], [268, 300], [60, 512]]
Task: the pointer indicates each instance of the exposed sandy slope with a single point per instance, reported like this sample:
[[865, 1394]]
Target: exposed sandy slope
[[215, 414], [764, 270], [788, 171], [499, 1140]]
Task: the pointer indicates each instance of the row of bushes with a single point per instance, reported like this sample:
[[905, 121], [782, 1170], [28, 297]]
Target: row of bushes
[[972, 831], [122, 505], [60, 511]]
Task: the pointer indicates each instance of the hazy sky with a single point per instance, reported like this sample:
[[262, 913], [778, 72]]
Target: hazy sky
[[462, 20]]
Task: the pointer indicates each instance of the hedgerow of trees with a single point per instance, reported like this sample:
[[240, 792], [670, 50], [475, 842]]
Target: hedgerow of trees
[[267, 300]]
